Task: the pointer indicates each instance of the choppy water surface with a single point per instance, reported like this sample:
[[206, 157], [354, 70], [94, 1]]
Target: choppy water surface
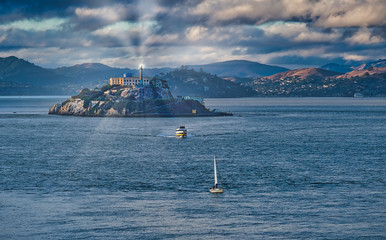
[[292, 168]]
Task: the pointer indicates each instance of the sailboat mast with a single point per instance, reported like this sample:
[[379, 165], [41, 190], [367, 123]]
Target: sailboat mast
[[215, 171]]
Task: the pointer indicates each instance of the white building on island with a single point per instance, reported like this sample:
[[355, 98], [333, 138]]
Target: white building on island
[[129, 80]]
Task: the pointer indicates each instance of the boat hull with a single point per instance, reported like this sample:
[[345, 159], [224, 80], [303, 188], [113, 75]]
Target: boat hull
[[181, 133], [216, 190]]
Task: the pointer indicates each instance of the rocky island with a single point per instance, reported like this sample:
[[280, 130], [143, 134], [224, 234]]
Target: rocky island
[[133, 97]]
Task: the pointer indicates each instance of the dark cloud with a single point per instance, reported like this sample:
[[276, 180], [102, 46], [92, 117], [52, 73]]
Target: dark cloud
[[314, 61], [7, 48], [30, 39], [178, 20], [174, 3], [16, 10], [299, 60], [86, 18], [12, 10], [379, 31], [278, 32], [105, 42], [135, 38]]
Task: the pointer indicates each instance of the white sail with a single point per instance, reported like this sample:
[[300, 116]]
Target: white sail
[[215, 188], [215, 171]]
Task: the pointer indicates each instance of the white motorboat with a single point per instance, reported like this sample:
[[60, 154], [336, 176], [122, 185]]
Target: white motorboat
[[181, 132]]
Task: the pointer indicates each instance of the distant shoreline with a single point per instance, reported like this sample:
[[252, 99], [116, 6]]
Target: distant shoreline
[[68, 96], [220, 114]]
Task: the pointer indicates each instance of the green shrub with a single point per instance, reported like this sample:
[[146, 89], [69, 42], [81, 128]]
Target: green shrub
[[86, 102], [107, 87]]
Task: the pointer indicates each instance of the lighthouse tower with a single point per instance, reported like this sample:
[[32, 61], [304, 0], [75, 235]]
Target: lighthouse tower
[[141, 74]]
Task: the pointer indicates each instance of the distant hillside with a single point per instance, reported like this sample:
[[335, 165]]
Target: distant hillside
[[379, 63], [348, 68], [303, 73], [189, 82], [96, 74], [377, 72], [90, 75], [309, 82], [18, 76], [239, 68], [337, 68]]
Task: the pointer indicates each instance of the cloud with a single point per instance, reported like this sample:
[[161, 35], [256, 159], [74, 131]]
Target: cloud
[[162, 40], [364, 36], [354, 57], [95, 18], [108, 14], [196, 33], [11, 10], [36, 25], [324, 13], [179, 32], [300, 32], [349, 13], [3, 37]]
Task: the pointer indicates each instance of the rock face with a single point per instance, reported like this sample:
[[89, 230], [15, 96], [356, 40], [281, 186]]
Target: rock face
[[73, 106], [127, 101], [141, 94]]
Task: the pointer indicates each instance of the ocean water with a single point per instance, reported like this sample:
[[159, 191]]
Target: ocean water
[[291, 168]]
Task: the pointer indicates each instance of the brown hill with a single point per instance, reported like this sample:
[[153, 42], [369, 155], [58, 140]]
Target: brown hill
[[308, 82], [371, 71], [303, 73]]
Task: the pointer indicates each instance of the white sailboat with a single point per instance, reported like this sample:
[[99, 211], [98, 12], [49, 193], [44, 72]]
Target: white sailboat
[[215, 188]]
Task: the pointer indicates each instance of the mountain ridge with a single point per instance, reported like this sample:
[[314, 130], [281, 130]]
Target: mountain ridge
[[242, 68], [348, 68], [20, 77], [71, 79]]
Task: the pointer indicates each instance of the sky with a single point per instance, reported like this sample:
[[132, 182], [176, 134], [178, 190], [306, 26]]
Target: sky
[[171, 33]]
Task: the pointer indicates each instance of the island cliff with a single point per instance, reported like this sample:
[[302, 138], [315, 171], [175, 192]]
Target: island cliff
[[132, 101]]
